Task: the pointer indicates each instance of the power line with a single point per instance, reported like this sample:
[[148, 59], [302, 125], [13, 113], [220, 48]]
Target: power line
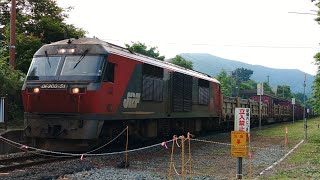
[[303, 13]]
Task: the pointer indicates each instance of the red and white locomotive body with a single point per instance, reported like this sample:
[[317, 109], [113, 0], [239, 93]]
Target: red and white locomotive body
[[82, 91]]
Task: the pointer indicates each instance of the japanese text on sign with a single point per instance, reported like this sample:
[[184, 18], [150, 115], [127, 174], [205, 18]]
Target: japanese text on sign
[[238, 144], [242, 119]]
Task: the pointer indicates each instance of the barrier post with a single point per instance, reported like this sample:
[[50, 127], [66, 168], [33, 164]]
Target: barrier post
[[250, 155], [286, 137], [190, 163], [126, 164], [182, 157], [171, 158]]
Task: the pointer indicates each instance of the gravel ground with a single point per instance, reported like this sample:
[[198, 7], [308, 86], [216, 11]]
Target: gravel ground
[[210, 161]]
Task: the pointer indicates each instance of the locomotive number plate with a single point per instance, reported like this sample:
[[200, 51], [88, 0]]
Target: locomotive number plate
[[53, 86]]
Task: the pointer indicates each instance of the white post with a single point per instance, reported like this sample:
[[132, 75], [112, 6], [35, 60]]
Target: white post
[[293, 113], [260, 107], [260, 92], [293, 102]]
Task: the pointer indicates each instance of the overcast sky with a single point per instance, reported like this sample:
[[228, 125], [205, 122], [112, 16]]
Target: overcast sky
[[260, 32]]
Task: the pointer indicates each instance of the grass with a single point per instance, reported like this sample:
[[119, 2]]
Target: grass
[[304, 162]]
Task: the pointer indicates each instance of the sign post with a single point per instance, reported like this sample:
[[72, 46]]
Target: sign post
[[238, 137], [3, 114], [304, 109], [260, 93], [293, 103]]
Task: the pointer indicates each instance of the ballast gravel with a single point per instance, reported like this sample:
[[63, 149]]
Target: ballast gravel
[[210, 160]]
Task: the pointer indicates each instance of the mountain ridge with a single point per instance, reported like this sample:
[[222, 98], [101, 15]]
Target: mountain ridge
[[213, 65]]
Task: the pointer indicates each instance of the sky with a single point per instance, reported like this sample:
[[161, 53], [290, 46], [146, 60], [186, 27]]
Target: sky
[[258, 32]]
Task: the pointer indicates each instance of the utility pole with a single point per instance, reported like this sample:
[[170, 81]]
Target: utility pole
[[260, 93], [304, 108], [12, 47], [268, 79]]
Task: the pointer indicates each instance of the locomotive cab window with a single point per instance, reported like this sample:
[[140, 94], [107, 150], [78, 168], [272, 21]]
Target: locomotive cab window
[[109, 74], [152, 83], [44, 68], [83, 68]]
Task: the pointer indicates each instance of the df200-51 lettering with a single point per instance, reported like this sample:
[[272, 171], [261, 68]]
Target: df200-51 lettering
[[53, 86]]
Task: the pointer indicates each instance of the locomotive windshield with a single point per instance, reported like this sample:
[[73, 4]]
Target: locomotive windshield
[[66, 68], [81, 68], [43, 68]]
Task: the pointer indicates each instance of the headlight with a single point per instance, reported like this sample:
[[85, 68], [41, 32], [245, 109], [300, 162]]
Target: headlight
[[36, 90], [68, 51], [62, 51], [75, 90], [33, 90]]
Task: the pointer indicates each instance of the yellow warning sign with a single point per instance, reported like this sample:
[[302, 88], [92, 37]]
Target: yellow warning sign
[[238, 143]]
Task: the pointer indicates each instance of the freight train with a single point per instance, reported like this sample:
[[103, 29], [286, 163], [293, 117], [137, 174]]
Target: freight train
[[79, 93]]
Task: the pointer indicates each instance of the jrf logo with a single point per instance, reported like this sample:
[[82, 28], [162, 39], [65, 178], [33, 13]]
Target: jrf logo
[[132, 100]]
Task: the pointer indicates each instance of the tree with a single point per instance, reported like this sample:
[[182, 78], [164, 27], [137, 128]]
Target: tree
[[248, 85], [226, 83], [299, 97], [141, 48], [180, 61], [284, 91], [230, 87], [242, 74], [11, 82], [315, 99], [37, 23], [267, 88]]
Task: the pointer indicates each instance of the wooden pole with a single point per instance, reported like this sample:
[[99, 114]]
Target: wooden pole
[[127, 141], [12, 47], [182, 158]]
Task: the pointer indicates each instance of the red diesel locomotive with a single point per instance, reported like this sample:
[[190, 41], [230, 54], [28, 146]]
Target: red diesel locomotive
[[79, 93]]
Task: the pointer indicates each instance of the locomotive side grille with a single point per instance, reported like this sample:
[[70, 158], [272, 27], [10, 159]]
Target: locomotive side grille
[[203, 95], [158, 89], [147, 88], [187, 94], [182, 92], [152, 89], [177, 90]]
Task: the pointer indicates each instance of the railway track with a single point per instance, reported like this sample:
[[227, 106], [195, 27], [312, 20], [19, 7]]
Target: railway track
[[13, 163]]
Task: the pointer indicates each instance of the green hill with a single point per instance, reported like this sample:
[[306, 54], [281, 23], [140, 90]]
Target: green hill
[[212, 65]]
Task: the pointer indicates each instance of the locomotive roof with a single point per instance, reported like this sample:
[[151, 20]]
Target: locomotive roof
[[105, 47]]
